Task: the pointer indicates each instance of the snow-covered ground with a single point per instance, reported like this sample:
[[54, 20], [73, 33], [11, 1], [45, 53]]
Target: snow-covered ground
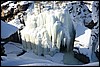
[[31, 59], [27, 59]]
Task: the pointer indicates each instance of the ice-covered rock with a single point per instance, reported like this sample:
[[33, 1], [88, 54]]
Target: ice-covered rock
[[4, 4], [95, 31], [16, 22], [23, 2]]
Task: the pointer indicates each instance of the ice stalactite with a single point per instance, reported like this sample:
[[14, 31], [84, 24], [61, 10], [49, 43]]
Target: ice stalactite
[[46, 43], [27, 36], [32, 41], [39, 46], [56, 27], [59, 38], [50, 20], [23, 40]]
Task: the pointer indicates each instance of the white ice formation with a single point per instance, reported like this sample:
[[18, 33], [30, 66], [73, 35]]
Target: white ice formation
[[46, 32]]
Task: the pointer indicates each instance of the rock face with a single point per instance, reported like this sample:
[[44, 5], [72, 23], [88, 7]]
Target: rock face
[[3, 51], [81, 57], [94, 42], [10, 9], [88, 19]]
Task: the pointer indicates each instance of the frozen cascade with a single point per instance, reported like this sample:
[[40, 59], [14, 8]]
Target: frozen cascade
[[46, 33]]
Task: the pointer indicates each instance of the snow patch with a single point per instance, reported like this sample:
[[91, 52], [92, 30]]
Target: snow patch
[[7, 29]]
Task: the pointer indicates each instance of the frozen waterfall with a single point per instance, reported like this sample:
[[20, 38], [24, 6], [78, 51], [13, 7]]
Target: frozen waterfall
[[46, 32]]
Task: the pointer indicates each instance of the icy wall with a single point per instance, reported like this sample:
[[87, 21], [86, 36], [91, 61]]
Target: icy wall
[[46, 32]]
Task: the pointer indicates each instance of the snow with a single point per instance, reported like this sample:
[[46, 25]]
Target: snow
[[11, 5], [58, 57], [12, 47], [5, 3], [16, 22], [84, 38], [23, 2], [89, 6], [80, 29], [30, 8], [7, 29], [92, 64], [31, 59]]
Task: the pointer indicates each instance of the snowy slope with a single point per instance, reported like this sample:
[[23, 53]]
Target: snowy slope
[[7, 29]]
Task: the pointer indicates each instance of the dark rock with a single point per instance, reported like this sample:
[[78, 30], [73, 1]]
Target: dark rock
[[81, 57], [42, 54], [23, 7], [91, 25], [1, 59], [3, 51], [97, 54], [22, 53], [13, 38]]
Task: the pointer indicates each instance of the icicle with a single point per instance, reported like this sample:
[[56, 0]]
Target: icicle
[[50, 20], [32, 40], [56, 27], [23, 40], [59, 38], [28, 41], [64, 41], [45, 48]]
